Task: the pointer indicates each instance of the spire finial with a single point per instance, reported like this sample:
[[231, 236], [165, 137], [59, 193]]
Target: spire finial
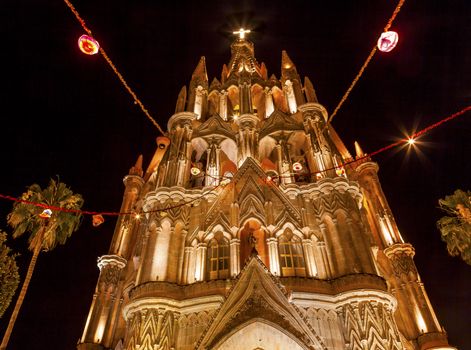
[[241, 32]]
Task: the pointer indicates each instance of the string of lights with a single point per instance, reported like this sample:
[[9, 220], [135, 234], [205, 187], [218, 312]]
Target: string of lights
[[221, 184], [365, 64], [115, 70]]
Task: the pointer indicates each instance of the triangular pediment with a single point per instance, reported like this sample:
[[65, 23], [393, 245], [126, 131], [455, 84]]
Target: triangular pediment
[[279, 121], [249, 188], [258, 295], [214, 125]]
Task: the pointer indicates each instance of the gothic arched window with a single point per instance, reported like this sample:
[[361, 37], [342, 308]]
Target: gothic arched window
[[218, 258], [291, 255]]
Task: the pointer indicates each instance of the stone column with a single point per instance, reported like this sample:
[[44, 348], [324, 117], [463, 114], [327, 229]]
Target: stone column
[[122, 234], [322, 261], [269, 106], [149, 328], [99, 326], [274, 256], [223, 104], [186, 265], [235, 256], [368, 321], [200, 263], [418, 321], [309, 258], [247, 138]]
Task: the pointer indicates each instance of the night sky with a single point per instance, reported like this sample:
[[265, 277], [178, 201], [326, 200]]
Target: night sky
[[64, 113]]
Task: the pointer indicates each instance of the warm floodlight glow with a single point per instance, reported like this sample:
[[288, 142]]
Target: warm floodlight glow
[[411, 141], [137, 216], [88, 45], [388, 41], [241, 32], [297, 166], [46, 214]]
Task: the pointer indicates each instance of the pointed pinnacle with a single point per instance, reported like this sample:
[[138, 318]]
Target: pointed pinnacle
[[200, 70], [263, 71], [224, 73], [309, 90], [286, 62], [137, 168], [359, 152], [215, 84]]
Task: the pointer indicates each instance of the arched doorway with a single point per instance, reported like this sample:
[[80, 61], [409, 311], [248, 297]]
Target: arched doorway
[[258, 335]]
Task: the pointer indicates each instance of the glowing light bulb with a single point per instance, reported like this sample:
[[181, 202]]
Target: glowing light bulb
[[137, 216], [269, 178], [195, 171], [411, 141], [387, 41], [46, 214], [88, 45], [297, 166]]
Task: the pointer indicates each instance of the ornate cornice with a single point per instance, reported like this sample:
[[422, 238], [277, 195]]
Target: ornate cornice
[[182, 117], [181, 306], [111, 260]]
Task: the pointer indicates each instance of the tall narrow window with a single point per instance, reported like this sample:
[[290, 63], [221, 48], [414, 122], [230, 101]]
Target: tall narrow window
[[291, 255], [218, 258]]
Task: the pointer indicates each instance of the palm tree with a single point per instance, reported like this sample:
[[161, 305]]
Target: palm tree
[[456, 228], [47, 228]]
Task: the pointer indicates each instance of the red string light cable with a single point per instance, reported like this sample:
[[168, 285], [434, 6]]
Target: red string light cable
[[115, 70], [378, 151], [365, 64]]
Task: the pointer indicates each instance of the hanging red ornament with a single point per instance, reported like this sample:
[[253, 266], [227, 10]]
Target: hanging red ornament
[[97, 220], [88, 45], [388, 41]]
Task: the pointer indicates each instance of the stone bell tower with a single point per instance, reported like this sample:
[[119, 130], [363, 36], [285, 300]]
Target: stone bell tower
[[247, 231]]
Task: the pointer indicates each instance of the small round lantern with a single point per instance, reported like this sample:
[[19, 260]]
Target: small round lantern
[[387, 41], [297, 166], [88, 45]]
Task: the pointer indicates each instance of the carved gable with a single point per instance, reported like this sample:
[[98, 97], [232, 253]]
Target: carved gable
[[279, 121], [252, 191], [215, 125], [258, 296]]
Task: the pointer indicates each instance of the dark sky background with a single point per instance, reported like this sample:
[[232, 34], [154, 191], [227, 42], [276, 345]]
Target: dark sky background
[[64, 113]]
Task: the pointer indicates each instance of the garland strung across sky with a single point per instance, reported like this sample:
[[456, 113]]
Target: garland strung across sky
[[368, 59], [409, 140], [89, 44]]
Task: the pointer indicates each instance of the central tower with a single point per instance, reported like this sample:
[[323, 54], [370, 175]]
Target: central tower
[[253, 234]]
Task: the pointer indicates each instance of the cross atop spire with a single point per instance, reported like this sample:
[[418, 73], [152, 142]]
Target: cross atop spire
[[241, 32]]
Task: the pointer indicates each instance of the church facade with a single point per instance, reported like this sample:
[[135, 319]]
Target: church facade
[[253, 227]]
